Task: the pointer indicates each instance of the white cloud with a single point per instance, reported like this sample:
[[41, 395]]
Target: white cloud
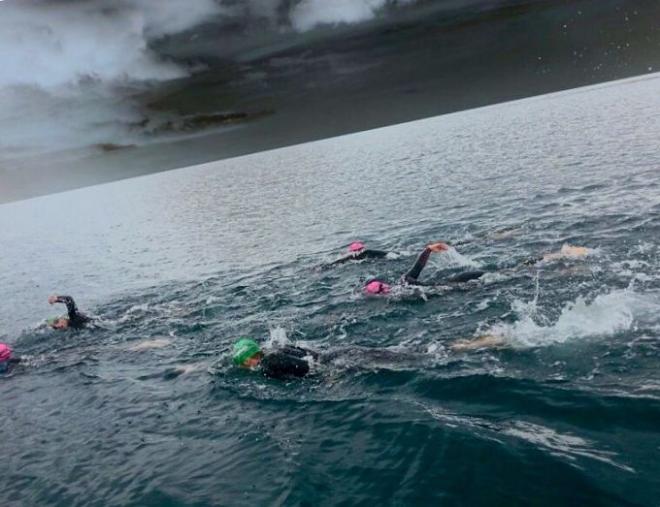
[[309, 14], [52, 45]]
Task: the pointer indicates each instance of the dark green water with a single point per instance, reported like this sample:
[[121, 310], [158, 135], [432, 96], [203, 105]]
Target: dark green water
[[566, 414]]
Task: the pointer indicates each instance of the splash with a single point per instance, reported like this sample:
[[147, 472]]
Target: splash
[[452, 258], [606, 315], [277, 338]]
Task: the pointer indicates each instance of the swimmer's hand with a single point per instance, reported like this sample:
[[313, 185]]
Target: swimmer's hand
[[438, 247], [52, 299]]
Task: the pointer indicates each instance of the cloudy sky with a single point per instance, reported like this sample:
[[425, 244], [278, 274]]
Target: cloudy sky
[[82, 79]]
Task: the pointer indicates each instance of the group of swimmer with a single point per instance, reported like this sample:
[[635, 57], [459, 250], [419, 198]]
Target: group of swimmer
[[293, 361]]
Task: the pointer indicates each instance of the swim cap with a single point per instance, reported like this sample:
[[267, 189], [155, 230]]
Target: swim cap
[[5, 352], [377, 287], [244, 349], [356, 246], [52, 320]]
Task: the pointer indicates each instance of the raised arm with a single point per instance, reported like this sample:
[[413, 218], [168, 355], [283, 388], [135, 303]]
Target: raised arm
[[75, 317], [71, 308], [413, 274]]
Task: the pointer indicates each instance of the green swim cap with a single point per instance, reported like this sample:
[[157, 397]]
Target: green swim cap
[[244, 349], [52, 320]]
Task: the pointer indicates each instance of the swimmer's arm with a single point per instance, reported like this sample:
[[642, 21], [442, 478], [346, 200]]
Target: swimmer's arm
[[299, 352], [413, 274], [71, 308], [75, 317]]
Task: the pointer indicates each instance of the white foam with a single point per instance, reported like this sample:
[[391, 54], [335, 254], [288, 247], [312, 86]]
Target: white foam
[[277, 338], [606, 315], [452, 258]]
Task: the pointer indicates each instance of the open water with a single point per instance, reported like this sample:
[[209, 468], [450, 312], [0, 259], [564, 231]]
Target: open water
[[146, 410]]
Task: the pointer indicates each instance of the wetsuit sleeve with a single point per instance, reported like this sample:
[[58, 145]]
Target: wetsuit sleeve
[[280, 365], [466, 276], [71, 307], [413, 274], [374, 254], [298, 351], [75, 317]]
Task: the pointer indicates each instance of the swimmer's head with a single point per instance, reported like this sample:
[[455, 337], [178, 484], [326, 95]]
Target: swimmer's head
[[58, 322], [247, 353], [5, 352], [356, 246], [376, 287]]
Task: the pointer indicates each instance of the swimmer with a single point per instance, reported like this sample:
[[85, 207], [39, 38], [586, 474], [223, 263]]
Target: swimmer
[[7, 358], [567, 252], [290, 362], [377, 287], [74, 319], [357, 251], [282, 363]]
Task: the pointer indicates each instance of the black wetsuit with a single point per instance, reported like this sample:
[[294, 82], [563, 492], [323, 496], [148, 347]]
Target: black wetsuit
[[76, 319], [411, 277], [286, 362], [358, 256], [6, 366]]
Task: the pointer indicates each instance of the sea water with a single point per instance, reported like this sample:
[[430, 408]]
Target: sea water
[[146, 409]]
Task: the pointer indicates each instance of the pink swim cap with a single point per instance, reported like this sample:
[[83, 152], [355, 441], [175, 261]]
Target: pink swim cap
[[5, 352], [376, 287], [356, 246]]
